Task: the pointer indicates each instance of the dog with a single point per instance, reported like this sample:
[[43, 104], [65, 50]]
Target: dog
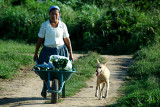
[[103, 75]]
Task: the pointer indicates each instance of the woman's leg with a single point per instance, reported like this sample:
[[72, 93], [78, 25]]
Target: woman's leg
[[44, 90]]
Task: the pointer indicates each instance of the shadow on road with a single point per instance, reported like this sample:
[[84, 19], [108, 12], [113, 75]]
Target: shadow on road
[[18, 101]]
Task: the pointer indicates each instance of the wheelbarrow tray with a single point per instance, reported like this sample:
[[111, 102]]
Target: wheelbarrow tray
[[55, 74]]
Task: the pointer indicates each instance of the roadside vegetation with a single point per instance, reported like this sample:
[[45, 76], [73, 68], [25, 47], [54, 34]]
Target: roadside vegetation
[[143, 87], [105, 26]]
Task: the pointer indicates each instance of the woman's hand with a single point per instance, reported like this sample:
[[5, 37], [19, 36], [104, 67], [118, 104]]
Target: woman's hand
[[68, 44], [39, 42], [35, 57], [71, 56]]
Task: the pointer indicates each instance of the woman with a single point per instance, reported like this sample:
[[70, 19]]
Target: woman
[[56, 39]]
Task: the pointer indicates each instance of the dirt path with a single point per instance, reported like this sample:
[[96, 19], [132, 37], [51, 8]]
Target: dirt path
[[25, 91]]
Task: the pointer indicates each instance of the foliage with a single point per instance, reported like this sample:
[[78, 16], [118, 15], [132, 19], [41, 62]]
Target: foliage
[[145, 4], [115, 28], [59, 63], [112, 27]]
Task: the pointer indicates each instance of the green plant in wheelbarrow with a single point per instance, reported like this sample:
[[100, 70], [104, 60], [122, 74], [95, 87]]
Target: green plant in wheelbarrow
[[59, 64]]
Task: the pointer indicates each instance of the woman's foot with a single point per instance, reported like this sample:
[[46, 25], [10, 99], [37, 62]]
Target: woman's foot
[[44, 95], [44, 90]]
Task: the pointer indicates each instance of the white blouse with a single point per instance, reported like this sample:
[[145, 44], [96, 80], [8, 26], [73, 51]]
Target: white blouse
[[53, 36]]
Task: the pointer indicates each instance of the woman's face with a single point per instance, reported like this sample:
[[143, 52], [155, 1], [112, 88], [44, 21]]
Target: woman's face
[[54, 15]]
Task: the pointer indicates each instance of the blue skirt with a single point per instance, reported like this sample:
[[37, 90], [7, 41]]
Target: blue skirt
[[46, 52]]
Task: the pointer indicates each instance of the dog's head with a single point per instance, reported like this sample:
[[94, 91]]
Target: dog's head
[[100, 67]]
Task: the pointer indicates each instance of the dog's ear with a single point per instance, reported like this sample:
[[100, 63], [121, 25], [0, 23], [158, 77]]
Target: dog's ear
[[98, 61], [105, 63]]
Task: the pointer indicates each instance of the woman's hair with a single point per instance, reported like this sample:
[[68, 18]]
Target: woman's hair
[[54, 8]]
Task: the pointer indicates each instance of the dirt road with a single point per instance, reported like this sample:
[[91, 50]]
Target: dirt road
[[24, 91]]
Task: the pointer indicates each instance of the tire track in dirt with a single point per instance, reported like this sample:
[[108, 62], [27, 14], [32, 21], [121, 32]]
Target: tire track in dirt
[[25, 91]]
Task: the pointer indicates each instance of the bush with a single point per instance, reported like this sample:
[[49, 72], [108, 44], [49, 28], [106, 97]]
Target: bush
[[112, 31], [144, 5]]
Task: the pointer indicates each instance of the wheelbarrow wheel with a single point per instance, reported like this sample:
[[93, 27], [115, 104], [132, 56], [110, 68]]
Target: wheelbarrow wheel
[[54, 96]]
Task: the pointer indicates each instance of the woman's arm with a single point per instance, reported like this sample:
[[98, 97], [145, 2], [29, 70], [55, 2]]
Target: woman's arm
[[68, 44], [39, 42]]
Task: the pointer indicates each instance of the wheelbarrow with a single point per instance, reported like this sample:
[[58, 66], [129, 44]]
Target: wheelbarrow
[[55, 77]]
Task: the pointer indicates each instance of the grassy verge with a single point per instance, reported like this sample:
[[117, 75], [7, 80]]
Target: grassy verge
[[143, 90], [12, 56]]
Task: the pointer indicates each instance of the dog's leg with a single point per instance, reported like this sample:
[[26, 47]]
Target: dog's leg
[[96, 94], [103, 89], [107, 88], [99, 89], [101, 93]]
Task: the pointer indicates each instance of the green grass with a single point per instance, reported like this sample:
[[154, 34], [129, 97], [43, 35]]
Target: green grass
[[12, 56], [143, 89]]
